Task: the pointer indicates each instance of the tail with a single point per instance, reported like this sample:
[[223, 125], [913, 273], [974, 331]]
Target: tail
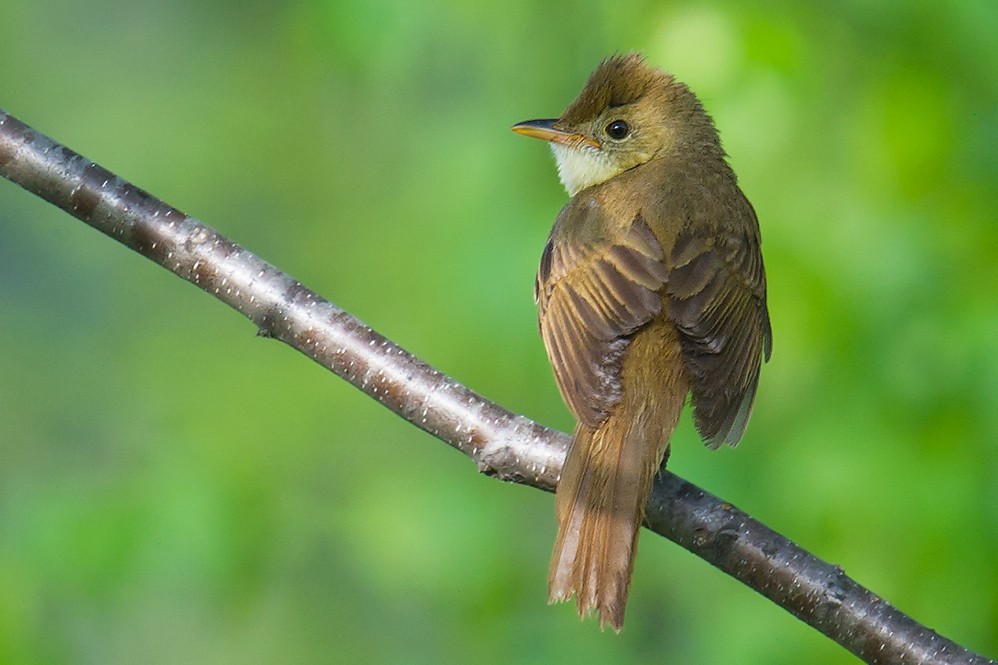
[[603, 489]]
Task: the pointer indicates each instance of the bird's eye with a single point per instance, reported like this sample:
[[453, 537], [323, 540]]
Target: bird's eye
[[617, 130]]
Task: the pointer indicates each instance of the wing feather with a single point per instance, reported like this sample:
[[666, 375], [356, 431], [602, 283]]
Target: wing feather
[[591, 299], [717, 298]]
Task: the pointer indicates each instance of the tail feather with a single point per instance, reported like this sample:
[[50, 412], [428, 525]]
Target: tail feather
[[606, 481], [600, 506]]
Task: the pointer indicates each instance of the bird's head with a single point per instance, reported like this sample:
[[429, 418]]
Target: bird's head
[[627, 114]]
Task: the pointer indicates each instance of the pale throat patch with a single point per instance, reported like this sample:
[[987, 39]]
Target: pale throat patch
[[582, 166]]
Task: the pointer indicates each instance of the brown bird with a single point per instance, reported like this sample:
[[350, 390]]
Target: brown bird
[[651, 286]]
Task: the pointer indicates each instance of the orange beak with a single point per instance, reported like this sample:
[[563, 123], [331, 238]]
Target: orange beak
[[548, 130]]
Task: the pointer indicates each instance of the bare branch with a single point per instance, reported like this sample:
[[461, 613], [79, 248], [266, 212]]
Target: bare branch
[[503, 444]]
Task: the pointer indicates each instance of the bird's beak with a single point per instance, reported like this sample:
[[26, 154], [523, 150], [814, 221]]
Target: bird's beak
[[548, 130]]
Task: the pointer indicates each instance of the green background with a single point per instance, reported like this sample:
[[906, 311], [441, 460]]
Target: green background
[[174, 489]]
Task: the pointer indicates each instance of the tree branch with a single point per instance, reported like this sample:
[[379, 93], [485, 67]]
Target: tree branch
[[503, 444]]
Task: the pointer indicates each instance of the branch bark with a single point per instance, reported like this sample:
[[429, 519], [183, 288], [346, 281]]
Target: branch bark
[[503, 444]]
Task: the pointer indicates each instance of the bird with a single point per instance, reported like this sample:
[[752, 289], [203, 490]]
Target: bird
[[651, 288]]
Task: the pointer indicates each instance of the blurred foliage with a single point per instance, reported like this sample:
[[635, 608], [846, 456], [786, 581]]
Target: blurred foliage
[[174, 489]]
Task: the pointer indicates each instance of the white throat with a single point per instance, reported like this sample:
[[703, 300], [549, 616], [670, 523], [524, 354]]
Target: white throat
[[582, 166]]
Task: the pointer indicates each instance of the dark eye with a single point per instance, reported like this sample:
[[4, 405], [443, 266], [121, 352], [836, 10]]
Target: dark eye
[[617, 130]]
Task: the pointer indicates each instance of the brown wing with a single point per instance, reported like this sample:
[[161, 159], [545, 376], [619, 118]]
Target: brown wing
[[590, 299], [717, 298]]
